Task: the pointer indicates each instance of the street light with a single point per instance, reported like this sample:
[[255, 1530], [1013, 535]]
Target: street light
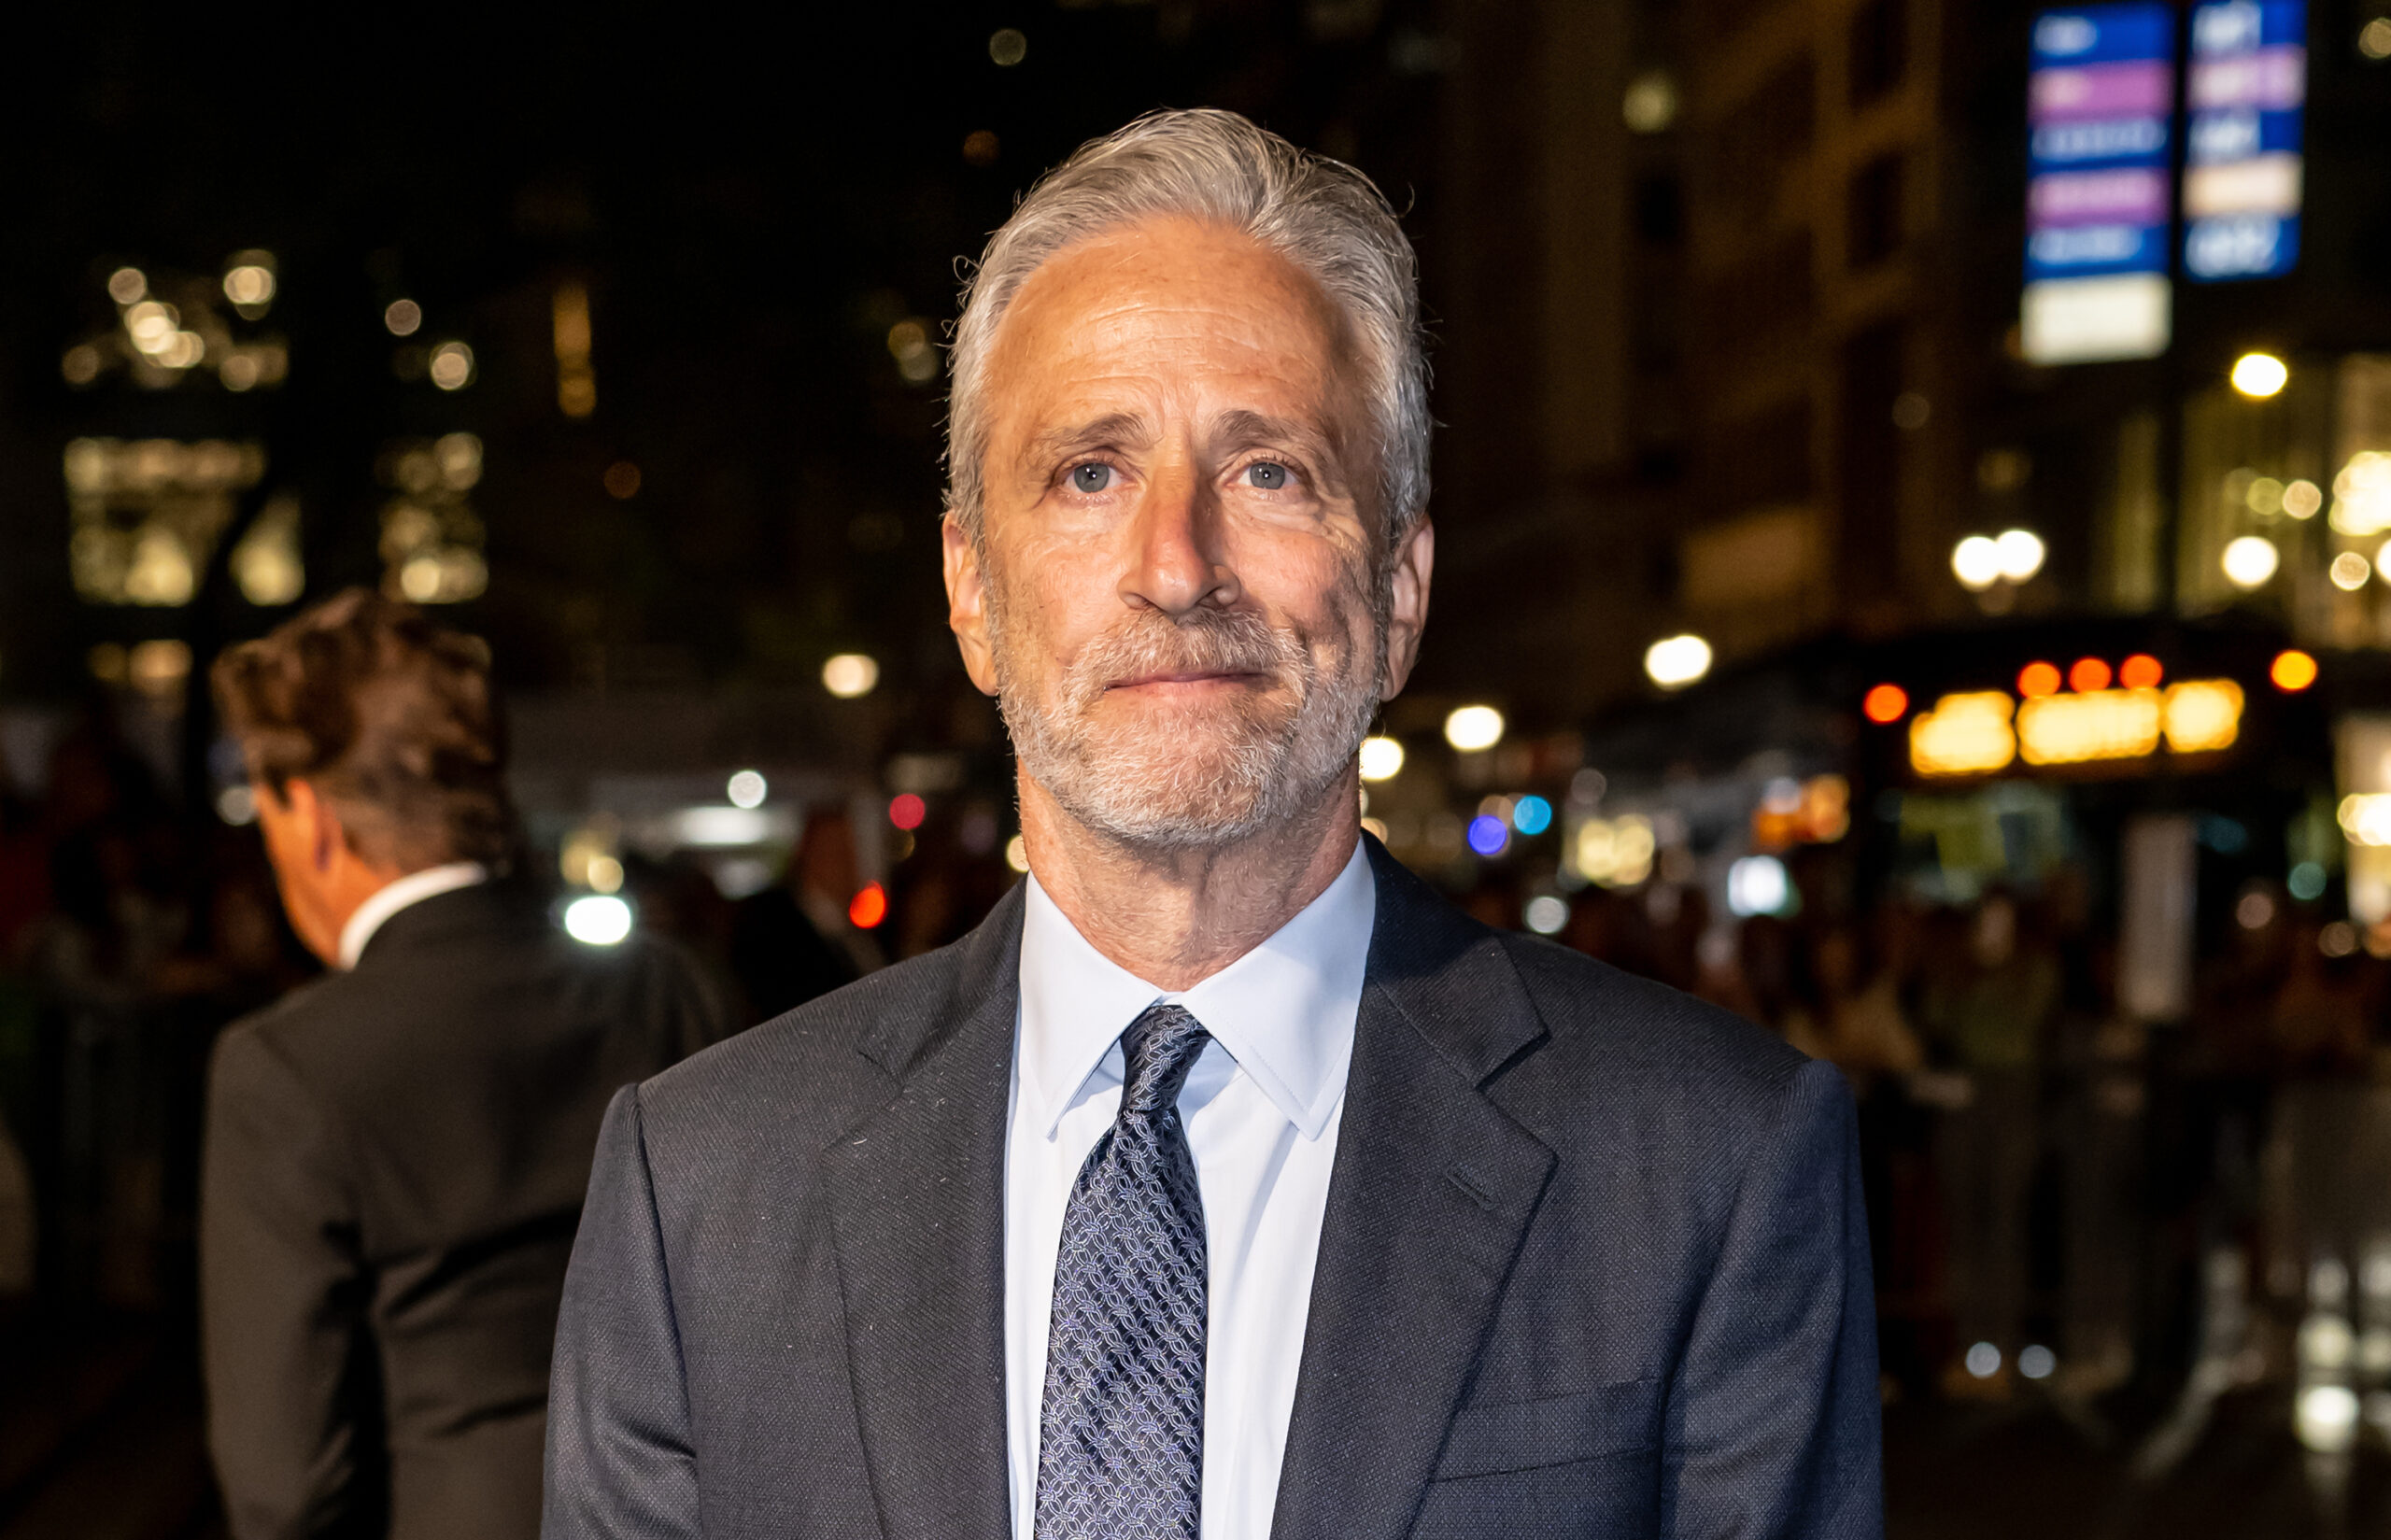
[[2249, 561], [1675, 661], [2259, 375], [1470, 728], [2021, 553], [1975, 561]]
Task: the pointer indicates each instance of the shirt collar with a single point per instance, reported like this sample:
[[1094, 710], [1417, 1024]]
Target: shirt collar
[[1285, 1012], [414, 888]]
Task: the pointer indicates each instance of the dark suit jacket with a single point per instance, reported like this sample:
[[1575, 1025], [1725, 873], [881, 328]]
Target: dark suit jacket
[[1595, 1264], [395, 1163]]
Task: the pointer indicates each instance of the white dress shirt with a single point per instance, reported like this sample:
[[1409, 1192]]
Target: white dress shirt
[[1262, 1108], [413, 888]]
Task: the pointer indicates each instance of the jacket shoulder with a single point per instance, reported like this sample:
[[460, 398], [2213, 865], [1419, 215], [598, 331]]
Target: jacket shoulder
[[805, 1070]]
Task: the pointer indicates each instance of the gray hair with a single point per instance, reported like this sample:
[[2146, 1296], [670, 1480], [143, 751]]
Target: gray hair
[[1322, 215]]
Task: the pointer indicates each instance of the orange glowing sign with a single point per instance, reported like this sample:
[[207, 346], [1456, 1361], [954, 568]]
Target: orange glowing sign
[[1980, 732], [2068, 729], [2038, 679], [2089, 674], [1885, 704]]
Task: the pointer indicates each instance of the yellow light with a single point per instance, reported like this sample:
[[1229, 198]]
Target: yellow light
[[2301, 499], [153, 326], [1651, 103], [2292, 670], [2249, 561], [1975, 561], [403, 318], [1007, 46], [1381, 758], [249, 285], [2258, 376], [1675, 661], [2203, 716], [576, 379], [2350, 570], [2067, 729], [2020, 554], [2362, 495], [128, 286], [849, 675], [2366, 818], [1614, 852], [1470, 728], [1017, 854], [452, 365], [1963, 734], [158, 668]]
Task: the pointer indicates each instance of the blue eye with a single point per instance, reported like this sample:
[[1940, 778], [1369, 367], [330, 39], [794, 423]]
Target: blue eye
[[1267, 474], [1095, 476]]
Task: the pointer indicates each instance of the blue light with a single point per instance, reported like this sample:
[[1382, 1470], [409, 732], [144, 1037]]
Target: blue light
[[2306, 881], [1487, 835], [1531, 815]]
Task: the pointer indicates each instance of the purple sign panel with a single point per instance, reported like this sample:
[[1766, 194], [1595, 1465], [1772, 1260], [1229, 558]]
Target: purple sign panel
[[2100, 103]]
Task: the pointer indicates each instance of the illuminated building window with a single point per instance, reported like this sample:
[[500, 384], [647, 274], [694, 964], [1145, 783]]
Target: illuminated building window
[[577, 377], [266, 563], [145, 513], [431, 538]]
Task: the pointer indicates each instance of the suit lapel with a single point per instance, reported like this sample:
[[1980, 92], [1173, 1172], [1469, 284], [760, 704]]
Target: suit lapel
[[1431, 1196], [917, 1198]]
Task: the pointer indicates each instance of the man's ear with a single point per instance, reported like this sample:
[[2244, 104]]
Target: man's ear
[[317, 821], [1415, 561], [966, 605]]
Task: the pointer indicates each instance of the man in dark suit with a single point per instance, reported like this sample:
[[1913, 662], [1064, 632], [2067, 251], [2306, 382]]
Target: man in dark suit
[[1226, 1181], [396, 1153]]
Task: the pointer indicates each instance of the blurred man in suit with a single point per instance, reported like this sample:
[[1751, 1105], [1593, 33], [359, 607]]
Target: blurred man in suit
[[1228, 1181], [396, 1153]]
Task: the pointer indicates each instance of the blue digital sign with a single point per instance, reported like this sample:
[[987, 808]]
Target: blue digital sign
[[2242, 148], [2100, 202]]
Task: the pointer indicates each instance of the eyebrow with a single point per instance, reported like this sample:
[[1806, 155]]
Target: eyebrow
[[1125, 429], [1247, 429]]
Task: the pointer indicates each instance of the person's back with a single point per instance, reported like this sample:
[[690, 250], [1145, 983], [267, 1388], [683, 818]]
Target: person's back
[[397, 1153]]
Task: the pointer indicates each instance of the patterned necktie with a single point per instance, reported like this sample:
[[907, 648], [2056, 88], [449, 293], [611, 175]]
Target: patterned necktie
[[1121, 1434]]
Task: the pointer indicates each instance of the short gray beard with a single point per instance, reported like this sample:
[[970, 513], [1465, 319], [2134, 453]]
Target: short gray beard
[[1151, 794]]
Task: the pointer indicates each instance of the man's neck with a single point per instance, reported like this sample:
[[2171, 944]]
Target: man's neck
[[1176, 917]]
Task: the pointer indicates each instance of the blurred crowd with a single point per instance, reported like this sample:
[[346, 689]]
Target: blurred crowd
[[133, 930], [2058, 1193], [2049, 1180]]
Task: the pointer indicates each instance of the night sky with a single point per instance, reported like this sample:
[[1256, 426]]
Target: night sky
[[751, 204]]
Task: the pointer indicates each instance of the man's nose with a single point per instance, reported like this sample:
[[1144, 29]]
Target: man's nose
[[1178, 561]]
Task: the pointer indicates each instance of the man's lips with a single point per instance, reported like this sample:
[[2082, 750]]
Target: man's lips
[[1181, 677]]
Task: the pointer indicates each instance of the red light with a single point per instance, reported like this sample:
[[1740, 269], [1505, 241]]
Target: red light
[[2293, 671], [1885, 704], [905, 810], [2141, 672], [868, 907], [2089, 674], [2038, 679]]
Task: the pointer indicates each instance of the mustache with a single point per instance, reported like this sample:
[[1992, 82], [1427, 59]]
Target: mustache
[[1201, 642]]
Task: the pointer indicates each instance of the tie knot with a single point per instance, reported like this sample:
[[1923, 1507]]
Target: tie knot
[[1160, 1047]]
